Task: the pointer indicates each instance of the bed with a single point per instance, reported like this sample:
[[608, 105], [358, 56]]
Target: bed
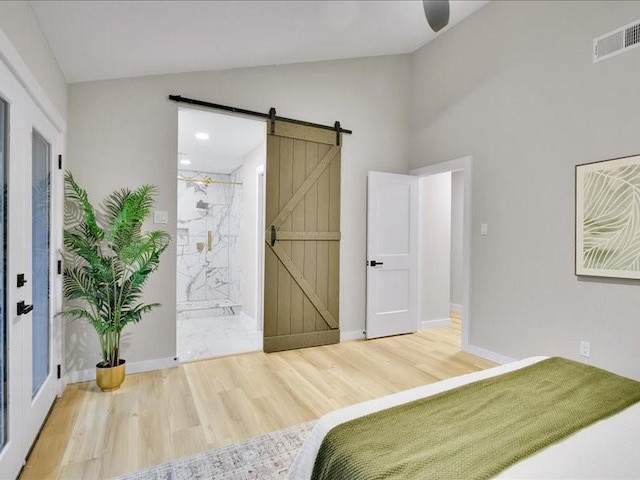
[[605, 449]]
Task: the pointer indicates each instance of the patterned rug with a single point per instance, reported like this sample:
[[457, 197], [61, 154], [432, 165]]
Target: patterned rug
[[267, 457]]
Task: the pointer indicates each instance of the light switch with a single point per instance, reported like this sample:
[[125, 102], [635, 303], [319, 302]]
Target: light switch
[[160, 217], [484, 229]]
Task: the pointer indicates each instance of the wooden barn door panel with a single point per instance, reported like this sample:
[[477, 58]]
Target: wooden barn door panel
[[302, 272]]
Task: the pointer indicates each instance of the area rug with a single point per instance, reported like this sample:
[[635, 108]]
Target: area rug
[[265, 458]]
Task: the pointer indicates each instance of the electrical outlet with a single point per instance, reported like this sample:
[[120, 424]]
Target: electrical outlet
[[585, 349]]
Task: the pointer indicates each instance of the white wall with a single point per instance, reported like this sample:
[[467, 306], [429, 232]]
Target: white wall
[[248, 230], [20, 25], [514, 85], [436, 246], [457, 210], [124, 133]]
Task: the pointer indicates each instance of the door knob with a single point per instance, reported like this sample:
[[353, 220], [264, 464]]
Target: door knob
[[373, 263], [23, 309]]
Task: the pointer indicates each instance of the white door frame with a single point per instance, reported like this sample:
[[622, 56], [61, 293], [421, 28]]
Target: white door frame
[[36, 111], [22, 73], [259, 300], [463, 164]]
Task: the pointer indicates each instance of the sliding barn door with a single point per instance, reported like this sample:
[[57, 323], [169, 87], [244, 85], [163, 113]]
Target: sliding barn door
[[302, 238]]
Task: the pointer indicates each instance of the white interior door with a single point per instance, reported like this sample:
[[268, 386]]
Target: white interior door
[[40, 356], [29, 295], [392, 254]]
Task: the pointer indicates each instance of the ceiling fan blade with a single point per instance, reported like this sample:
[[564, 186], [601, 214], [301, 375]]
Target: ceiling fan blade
[[437, 13]]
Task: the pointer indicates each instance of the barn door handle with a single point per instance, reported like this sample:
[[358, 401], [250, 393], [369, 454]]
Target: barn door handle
[[373, 263], [23, 309], [273, 235]]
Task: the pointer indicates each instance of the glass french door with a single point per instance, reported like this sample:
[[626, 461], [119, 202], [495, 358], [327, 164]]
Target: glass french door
[[29, 289]]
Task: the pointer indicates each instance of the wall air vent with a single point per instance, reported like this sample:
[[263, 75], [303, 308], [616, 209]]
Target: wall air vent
[[618, 41]]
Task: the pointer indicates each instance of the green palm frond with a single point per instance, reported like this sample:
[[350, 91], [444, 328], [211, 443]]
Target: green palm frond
[[77, 195], [126, 210], [108, 259]]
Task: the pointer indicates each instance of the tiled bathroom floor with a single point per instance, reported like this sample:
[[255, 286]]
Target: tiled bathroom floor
[[215, 336]]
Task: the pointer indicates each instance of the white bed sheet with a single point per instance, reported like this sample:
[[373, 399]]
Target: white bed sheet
[[608, 449]]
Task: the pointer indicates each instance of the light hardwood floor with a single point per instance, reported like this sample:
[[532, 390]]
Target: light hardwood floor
[[158, 416]]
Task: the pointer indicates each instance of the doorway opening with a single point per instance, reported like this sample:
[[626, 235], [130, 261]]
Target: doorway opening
[[219, 213], [445, 232]]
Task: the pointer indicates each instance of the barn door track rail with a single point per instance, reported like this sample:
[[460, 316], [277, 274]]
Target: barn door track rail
[[271, 116]]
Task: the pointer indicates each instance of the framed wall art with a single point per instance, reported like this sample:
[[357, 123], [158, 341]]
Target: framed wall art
[[608, 218]]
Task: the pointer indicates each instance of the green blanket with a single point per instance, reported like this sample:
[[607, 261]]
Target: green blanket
[[477, 430]]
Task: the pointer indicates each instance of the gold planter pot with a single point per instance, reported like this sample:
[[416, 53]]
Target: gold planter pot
[[110, 378]]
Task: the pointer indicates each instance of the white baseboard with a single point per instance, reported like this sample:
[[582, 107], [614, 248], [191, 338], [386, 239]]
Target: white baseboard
[[351, 335], [454, 307], [488, 354], [135, 367], [157, 364], [441, 322]]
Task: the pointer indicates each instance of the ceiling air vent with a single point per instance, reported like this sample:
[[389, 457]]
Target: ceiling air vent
[[620, 40]]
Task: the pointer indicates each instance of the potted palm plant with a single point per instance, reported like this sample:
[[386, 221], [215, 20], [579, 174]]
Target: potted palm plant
[[107, 261]]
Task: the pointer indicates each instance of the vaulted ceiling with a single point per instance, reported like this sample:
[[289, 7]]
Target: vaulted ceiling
[[97, 40]]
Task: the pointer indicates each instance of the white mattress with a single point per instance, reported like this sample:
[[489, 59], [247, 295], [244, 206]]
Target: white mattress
[[608, 449]]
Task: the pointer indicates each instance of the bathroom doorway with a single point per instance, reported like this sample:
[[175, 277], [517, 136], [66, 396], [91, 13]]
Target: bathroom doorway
[[220, 160]]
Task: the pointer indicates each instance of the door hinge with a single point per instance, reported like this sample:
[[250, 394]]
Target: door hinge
[[59, 162], [59, 267], [59, 371]]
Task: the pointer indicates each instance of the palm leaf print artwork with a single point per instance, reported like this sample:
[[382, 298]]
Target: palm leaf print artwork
[[610, 218]]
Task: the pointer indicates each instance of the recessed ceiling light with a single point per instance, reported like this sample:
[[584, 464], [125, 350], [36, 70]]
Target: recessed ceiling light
[[185, 161], [202, 136]]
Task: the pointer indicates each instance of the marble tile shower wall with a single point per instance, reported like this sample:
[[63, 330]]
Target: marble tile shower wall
[[204, 237], [235, 217]]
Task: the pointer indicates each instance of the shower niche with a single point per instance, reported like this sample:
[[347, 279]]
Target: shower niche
[[208, 251]]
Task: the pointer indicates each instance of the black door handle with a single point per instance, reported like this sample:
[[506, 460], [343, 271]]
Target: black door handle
[[273, 235], [23, 309], [373, 263]]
